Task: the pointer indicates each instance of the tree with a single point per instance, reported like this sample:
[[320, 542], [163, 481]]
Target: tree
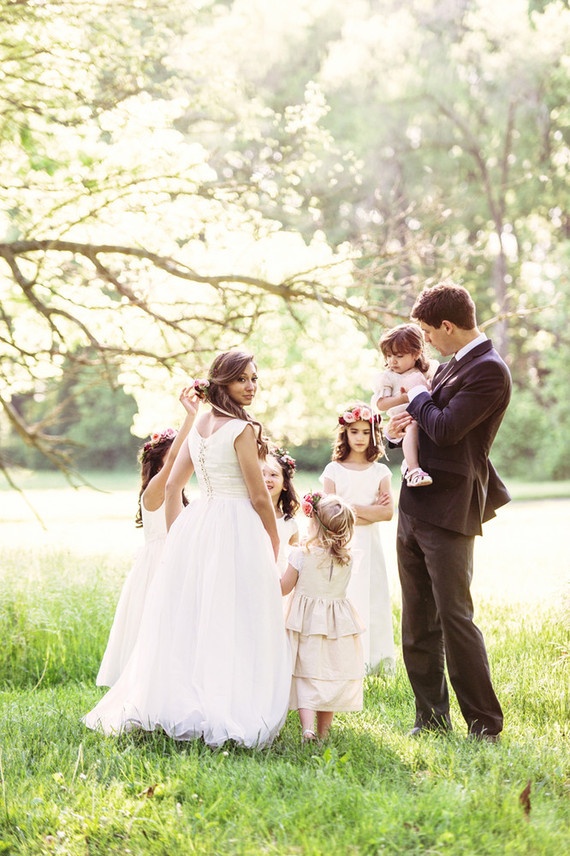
[[185, 179]]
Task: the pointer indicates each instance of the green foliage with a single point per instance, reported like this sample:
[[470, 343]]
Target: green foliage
[[284, 177], [54, 623], [93, 413]]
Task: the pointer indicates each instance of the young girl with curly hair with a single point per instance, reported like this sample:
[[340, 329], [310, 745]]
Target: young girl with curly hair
[[323, 627]]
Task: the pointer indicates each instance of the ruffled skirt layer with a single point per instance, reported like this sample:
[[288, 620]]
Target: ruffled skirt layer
[[328, 659]]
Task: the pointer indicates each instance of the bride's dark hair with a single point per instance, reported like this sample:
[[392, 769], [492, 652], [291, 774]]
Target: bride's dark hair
[[226, 368]]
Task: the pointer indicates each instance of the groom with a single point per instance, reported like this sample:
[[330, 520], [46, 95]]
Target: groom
[[437, 524]]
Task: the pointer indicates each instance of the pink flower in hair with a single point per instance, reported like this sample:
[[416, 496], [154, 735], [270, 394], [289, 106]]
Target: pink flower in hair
[[359, 413], [200, 386], [309, 502]]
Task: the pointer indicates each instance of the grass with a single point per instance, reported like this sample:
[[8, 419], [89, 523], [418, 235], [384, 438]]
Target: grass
[[128, 480], [370, 789]]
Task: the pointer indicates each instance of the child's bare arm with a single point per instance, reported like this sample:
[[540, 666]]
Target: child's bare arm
[[289, 580], [381, 509], [181, 472], [155, 491], [384, 403]]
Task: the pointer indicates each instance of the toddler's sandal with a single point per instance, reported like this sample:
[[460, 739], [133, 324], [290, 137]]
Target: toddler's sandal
[[418, 478], [308, 736]]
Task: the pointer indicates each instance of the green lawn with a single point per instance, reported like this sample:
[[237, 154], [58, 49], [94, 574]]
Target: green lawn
[[370, 789], [119, 480]]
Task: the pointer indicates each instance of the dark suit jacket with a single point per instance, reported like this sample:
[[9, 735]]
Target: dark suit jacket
[[458, 423]]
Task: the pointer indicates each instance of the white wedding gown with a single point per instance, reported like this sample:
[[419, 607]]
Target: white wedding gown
[[211, 659]]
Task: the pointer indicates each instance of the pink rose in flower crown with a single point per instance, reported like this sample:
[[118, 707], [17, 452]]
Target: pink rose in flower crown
[[156, 438], [309, 502], [359, 413], [200, 386]]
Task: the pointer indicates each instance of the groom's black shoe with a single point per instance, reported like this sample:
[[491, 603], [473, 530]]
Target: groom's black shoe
[[483, 737], [438, 725]]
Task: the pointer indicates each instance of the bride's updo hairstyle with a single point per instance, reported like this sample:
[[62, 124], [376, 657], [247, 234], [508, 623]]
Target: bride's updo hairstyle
[[226, 368]]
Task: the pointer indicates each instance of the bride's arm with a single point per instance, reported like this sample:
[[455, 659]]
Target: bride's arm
[[181, 472], [246, 450], [155, 492]]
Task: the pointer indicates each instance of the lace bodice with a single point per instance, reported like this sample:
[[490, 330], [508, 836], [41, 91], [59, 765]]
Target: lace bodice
[[216, 463]]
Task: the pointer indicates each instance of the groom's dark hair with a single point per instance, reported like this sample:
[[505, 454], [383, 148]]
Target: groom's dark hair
[[445, 302]]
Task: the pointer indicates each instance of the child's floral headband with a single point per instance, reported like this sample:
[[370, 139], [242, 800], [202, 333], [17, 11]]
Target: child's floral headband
[[285, 458], [155, 439], [200, 386], [310, 502], [309, 506], [359, 413]]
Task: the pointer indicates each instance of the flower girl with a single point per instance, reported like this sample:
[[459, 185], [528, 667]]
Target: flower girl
[[323, 626], [156, 459], [278, 471], [356, 476]]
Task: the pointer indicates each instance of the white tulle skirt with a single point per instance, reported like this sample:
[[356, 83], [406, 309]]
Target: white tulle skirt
[[128, 615], [211, 659]]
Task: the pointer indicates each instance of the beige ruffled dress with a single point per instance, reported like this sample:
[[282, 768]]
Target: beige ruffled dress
[[324, 631]]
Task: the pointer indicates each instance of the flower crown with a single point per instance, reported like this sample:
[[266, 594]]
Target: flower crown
[[310, 502], [285, 458], [155, 439], [359, 413], [200, 386]]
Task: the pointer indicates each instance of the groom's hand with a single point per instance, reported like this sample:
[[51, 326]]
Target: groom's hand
[[396, 427]]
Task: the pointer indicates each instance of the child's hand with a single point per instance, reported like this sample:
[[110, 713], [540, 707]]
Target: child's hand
[[189, 400], [383, 499]]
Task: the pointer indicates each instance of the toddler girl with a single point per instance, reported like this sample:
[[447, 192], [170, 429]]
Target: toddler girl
[[156, 459], [323, 627], [406, 366], [356, 475], [278, 471]]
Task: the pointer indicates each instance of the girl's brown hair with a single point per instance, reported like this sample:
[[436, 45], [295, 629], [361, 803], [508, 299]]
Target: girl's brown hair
[[227, 367], [152, 458], [405, 339], [341, 449], [335, 520], [288, 500]]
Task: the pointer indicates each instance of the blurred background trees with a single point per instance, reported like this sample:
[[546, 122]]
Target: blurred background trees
[[187, 176]]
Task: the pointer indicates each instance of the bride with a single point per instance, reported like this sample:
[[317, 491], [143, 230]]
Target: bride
[[211, 659]]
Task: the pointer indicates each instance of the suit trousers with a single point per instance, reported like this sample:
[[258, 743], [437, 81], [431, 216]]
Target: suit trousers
[[436, 567]]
